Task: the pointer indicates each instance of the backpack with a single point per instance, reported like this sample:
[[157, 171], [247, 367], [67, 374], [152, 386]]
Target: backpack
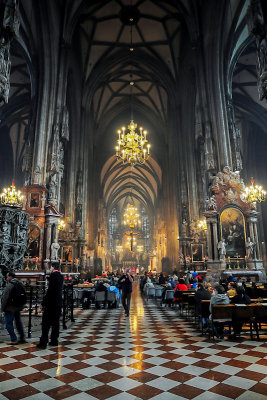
[[18, 295]]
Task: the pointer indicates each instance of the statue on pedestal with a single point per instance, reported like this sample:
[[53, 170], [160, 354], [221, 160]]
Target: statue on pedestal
[[54, 250], [222, 249], [249, 249]]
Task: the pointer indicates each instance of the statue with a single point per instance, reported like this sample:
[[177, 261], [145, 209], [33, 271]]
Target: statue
[[249, 249], [222, 249], [211, 203], [54, 250]]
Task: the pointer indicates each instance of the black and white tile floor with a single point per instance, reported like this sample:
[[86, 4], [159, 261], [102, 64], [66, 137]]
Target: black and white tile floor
[[150, 355]]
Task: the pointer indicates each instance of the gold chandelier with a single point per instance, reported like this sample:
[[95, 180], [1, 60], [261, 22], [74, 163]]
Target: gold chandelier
[[131, 217], [253, 194], [132, 146], [11, 197]]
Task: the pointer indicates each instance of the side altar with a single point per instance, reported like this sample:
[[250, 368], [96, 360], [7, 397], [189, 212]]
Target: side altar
[[232, 230]]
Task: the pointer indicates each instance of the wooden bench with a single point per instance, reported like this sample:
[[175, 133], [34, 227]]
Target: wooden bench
[[255, 315]]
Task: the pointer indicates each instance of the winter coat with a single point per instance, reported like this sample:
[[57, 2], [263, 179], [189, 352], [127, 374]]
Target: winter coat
[[7, 296], [241, 299], [201, 294], [218, 299], [53, 298]]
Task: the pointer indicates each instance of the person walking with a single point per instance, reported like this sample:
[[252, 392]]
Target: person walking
[[126, 283], [11, 307], [52, 305]]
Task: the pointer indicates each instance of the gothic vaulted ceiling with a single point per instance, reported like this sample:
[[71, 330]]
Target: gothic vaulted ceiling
[[123, 42]]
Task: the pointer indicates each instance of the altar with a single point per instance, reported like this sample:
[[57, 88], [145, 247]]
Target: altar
[[232, 230]]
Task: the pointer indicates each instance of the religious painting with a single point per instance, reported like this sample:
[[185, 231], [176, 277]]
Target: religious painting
[[233, 232], [35, 200], [67, 253], [197, 252], [33, 241]]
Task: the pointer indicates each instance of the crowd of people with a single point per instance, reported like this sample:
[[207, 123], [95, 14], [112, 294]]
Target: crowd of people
[[229, 291], [223, 292]]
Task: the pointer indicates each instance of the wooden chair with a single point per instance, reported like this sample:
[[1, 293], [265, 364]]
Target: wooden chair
[[245, 314], [221, 314], [260, 313]]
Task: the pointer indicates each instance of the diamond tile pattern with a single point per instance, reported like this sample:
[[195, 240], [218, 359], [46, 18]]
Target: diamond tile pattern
[[152, 355]]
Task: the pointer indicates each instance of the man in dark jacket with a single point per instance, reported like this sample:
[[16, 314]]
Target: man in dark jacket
[[201, 294], [11, 311], [52, 305], [126, 282], [240, 298]]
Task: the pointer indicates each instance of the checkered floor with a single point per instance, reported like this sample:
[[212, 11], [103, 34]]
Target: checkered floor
[[150, 355]]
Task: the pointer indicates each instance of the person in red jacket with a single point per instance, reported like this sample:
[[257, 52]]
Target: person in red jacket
[[180, 287]]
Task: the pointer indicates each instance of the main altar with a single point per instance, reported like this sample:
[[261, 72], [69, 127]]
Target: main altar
[[232, 231]]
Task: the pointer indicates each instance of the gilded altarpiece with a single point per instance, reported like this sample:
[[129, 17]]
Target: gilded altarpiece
[[233, 222]]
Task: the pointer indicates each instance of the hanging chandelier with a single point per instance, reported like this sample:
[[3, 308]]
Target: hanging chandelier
[[131, 217], [11, 197], [132, 146], [253, 193]]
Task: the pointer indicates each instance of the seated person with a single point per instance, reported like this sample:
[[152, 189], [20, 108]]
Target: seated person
[[194, 283], [148, 283], [114, 289], [219, 298], [164, 301], [100, 287], [209, 288], [240, 298], [171, 281], [231, 289], [162, 280], [231, 278], [180, 287], [201, 294], [86, 299], [142, 282]]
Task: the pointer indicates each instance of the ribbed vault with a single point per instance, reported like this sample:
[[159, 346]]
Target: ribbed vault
[[141, 184]]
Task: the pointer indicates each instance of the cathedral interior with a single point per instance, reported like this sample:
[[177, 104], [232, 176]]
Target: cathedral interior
[[133, 135], [191, 73]]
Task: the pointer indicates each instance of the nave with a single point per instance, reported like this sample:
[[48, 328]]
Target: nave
[[150, 355]]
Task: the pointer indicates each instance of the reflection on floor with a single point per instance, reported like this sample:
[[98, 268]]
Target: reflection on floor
[[150, 355]]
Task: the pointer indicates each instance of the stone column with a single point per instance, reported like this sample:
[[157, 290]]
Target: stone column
[[48, 240], [215, 239], [212, 237], [209, 235], [9, 27], [256, 241]]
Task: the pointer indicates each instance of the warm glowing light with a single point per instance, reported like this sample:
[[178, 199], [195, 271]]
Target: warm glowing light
[[253, 194], [61, 224], [202, 224], [11, 197], [131, 217], [132, 146], [119, 249]]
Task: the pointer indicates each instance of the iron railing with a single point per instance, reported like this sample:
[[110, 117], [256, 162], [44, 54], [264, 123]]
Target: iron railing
[[33, 308]]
